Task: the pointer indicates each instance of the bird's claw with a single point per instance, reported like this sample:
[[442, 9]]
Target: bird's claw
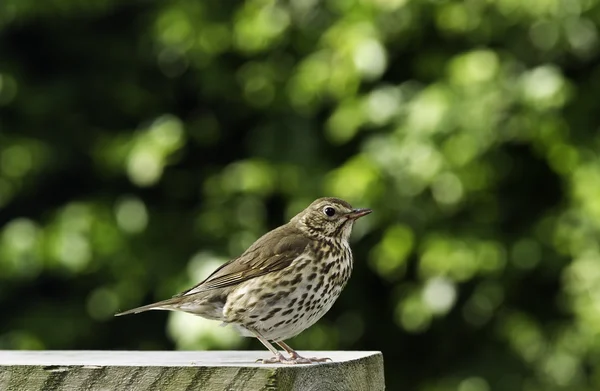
[[310, 360], [293, 360], [320, 359], [278, 359]]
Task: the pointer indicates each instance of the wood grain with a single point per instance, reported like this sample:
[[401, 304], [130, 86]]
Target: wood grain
[[179, 371]]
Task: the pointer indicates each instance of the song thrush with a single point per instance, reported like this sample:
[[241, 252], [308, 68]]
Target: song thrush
[[283, 283]]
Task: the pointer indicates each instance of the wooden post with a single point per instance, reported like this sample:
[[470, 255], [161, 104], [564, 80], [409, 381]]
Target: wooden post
[[185, 370]]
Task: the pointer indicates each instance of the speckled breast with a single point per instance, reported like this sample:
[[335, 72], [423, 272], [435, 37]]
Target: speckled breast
[[295, 298]]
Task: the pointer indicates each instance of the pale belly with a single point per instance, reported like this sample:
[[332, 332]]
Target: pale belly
[[279, 328], [284, 305]]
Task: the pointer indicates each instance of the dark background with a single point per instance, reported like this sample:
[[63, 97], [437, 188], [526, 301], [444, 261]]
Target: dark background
[[144, 143]]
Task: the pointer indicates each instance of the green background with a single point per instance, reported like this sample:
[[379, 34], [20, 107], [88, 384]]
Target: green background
[[144, 143]]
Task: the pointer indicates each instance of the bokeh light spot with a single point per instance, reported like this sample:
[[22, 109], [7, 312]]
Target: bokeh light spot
[[131, 214], [439, 294]]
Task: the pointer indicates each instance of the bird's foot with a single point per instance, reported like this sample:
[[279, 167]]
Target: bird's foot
[[278, 359], [293, 360], [308, 360]]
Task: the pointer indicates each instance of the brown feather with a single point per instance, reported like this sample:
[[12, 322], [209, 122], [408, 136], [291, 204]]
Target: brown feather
[[274, 251], [160, 305]]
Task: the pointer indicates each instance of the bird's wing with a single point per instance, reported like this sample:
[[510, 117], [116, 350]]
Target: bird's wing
[[274, 251]]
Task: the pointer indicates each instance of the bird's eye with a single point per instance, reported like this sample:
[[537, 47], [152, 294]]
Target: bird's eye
[[329, 211]]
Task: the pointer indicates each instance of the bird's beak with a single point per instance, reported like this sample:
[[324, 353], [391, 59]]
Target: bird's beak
[[356, 213]]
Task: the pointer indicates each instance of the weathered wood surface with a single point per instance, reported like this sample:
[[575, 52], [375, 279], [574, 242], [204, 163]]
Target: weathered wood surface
[[178, 371]]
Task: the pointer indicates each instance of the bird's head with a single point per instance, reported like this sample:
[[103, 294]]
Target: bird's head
[[329, 217]]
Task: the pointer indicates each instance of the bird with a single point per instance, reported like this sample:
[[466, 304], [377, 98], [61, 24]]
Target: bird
[[282, 284]]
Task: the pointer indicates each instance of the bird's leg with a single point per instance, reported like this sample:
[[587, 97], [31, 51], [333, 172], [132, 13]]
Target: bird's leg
[[278, 357], [294, 356]]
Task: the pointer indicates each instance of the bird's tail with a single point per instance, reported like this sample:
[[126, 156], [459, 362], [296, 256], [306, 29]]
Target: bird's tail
[[160, 305]]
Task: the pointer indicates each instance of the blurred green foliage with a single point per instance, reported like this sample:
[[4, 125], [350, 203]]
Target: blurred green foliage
[[144, 143]]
